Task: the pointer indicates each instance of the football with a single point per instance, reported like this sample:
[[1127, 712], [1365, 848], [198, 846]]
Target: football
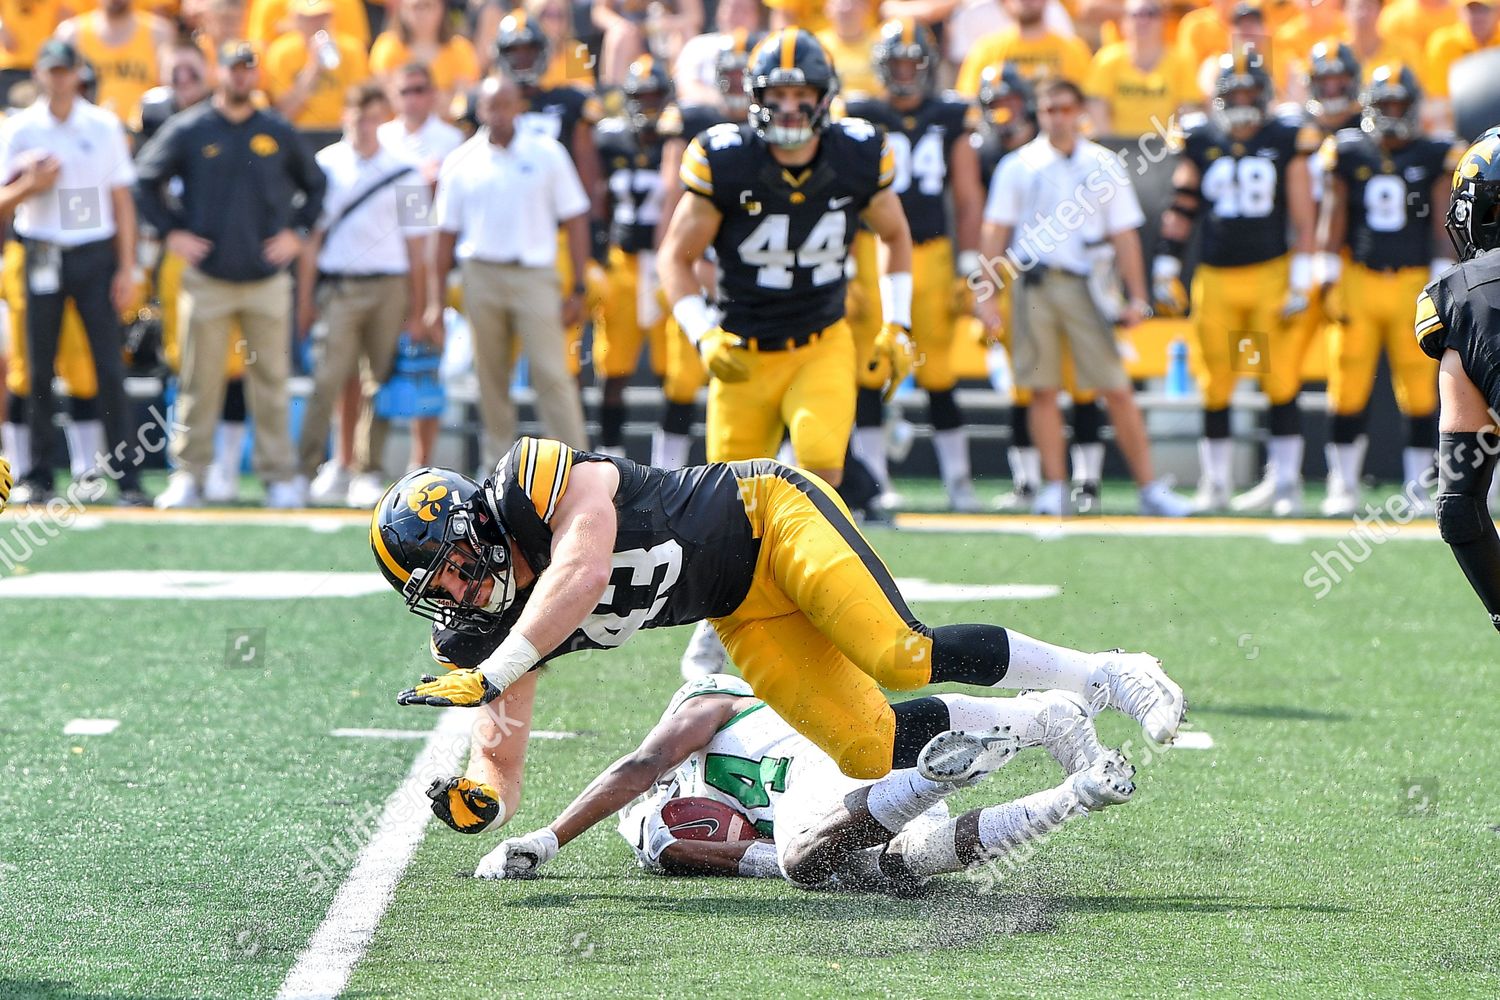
[[705, 819]]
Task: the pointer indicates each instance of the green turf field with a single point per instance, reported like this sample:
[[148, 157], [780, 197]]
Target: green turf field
[[1339, 839]]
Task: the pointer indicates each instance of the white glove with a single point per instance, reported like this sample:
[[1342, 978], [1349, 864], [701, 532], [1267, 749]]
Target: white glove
[[642, 827], [1298, 296], [519, 857]]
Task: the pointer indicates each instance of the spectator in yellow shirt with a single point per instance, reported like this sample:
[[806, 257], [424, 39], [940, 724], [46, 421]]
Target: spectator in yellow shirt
[[424, 34], [1204, 33], [805, 14], [1136, 86], [308, 69], [1373, 46], [1030, 47], [1475, 30], [24, 26], [1416, 21], [850, 40], [121, 44], [1316, 21], [270, 19]]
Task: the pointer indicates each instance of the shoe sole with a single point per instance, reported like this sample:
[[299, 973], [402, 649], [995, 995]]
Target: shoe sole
[[957, 755]]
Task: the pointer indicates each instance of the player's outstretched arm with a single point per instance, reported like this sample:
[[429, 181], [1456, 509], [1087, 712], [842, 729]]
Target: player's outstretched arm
[[488, 793], [667, 745]]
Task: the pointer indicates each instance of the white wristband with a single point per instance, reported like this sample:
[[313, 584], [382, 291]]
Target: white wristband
[[895, 298], [1301, 278], [1326, 268], [695, 316], [760, 861], [1165, 267], [968, 263], [506, 665]]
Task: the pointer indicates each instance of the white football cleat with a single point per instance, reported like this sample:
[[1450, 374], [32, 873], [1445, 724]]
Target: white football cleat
[[330, 486], [1211, 498], [221, 483], [288, 494], [958, 755], [1340, 501], [1135, 684], [1049, 501], [1109, 781], [1257, 499], [1062, 726], [181, 491], [962, 499], [705, 654], [1288, 500]]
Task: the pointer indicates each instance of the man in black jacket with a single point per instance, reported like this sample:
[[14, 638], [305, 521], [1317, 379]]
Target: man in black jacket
[[238, 223]]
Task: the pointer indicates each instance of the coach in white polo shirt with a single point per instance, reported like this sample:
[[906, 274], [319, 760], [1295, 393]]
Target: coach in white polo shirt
[[500, 198], [1056, 203], [79, 238], [363, 270]]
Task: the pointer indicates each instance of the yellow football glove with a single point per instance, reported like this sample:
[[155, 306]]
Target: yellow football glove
[[6, 482], [460, 689], [466, 806], [723, 355], [1169, 297], [892, 357]]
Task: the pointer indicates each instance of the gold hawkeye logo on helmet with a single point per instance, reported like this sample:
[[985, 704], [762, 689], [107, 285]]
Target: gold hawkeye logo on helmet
[[1479, 154], [425, 497]]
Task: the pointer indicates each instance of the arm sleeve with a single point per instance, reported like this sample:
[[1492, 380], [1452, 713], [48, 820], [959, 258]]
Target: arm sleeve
[[569, 199], [156, 164], [1002, 207], [308, 177]]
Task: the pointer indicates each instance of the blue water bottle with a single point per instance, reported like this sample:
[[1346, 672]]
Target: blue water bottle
[[1179, 378]]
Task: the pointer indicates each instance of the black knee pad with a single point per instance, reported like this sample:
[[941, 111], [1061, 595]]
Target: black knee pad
[[917, 722], [1345, 428], [1020, 426], [942, 408], [869, 408], [16, 410], [678, 418], [83, 409], [1088, 421], [1461, 518], [1285, 419], [1216, 424]]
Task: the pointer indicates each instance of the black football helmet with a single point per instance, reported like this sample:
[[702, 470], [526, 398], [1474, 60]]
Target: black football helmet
[[521, 48], [903, 40], [433, 519], [1242, 90], [729, 68], [647, 89], [1005, 98], [1391, 103], [790, 57], [1474, 210], [1333, 76]]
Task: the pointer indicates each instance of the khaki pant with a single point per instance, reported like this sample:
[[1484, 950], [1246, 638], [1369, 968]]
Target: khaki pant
[[503, 301], [364, 319], [1049, 307], [208, 309]]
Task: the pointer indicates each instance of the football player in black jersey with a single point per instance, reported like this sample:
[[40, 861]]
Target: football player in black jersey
[[929, 134], [1385, 197], [564, 113], [1007, 122], [631, 313], [1247, 174], [678, 125], [564, 550], [778, 200], [1458, 325]]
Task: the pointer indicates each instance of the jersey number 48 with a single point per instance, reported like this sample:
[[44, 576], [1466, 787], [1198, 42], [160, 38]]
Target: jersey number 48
[[1242, 188], [768, 249]]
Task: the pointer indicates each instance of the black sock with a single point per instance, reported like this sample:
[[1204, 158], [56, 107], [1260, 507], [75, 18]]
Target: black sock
[[869, 408], [1087, 422], [1345, 428], [1284, 419], [83, 409], [1216, 424], [1422, 432], [16, 410], [943, 411], [234, 402], [970, 654], [678, 418], [917, 722], [611, 424], [858, 488], [1020, 428], [1466, 463]]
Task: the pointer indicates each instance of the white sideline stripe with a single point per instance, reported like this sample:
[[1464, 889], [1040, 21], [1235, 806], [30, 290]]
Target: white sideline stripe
[[91, 727], [1193, 739], [1164, 527], [322, 970], [419, 734]]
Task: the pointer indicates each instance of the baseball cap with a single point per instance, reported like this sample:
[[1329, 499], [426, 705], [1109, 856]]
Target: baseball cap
[[238, 53], [57, 54], [1246, 10]]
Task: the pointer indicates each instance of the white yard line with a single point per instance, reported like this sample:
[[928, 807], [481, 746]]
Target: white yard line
[[1282, 532], [90, 727], [324, 967], [420, 734], [1193, 739]]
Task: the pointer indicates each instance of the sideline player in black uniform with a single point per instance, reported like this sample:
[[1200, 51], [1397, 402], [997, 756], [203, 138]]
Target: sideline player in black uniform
[[564, 113], [631, 315], [929, 134], [678, 125], [1458, 325], [1385, 197], [1252, 172], [564, 550]]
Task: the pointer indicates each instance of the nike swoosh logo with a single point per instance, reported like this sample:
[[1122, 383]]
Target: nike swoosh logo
[[837, 203]]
